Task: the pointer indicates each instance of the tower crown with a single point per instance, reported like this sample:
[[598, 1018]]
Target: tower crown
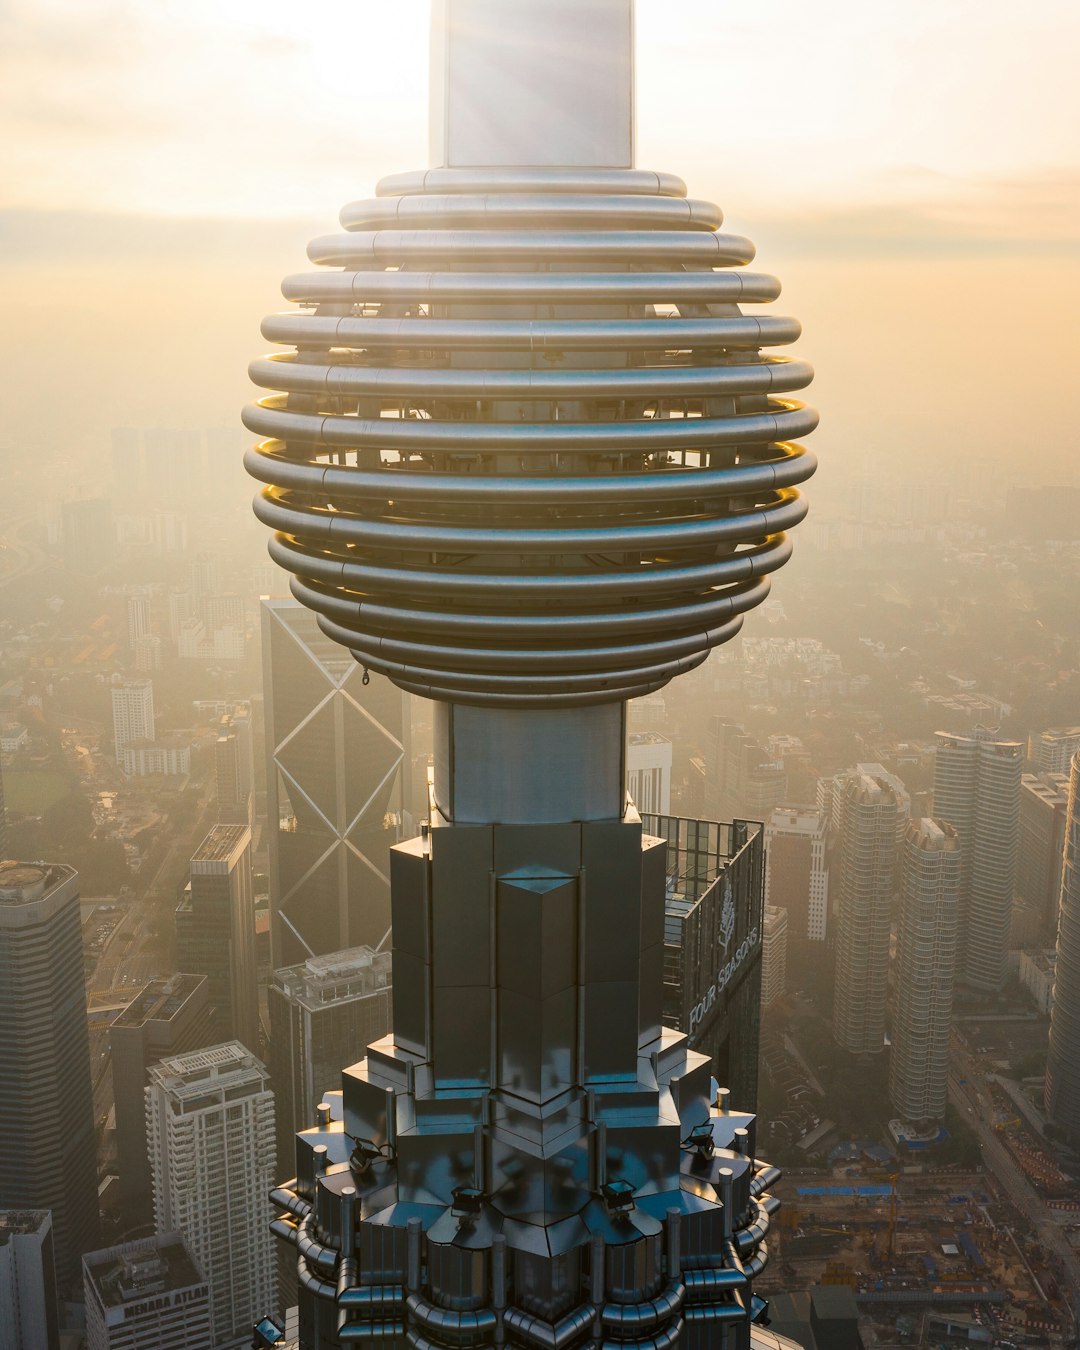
[[524, 446]]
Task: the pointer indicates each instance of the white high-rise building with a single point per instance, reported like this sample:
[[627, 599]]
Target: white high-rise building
[[868, 811], [925, 971], [648, 772], [977, 789], [1052, 751], [774, 930], [133, 714], [796, 870], [210, 1134]]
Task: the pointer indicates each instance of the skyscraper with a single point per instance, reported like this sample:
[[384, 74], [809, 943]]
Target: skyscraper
[[504, 506], [215, 931], [138, 617], [235, 768], [977, 789], [146, 1295], [321, 1012], [133, 714], [742, 779], [88, 535], [167, 1017], [28, 1309], [648, 771], [48, 1158], [866, 882], [773, 955], [1044, 800], [334, 764], [797, 875], [1063, 1060], [925, 971], [1052, 751], [210, 1125]]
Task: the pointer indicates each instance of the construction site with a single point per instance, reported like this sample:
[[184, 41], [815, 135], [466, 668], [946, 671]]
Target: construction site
[[936, 1260]]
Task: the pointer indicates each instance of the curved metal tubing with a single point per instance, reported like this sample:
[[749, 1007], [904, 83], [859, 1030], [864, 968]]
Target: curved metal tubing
[[526, 526], [765, 1179], [404, 246], [634, 1318], [530, 335], [755, 475], [372, 1297], [549, 1335], [792, 419], [387, 1332], [667, 1339], [313, 1251], [501, 210], [290, 374], [641, 182], [755, 561], [312, 1282], [388, 619], [544, 288], [273, 507], [286, 1197], [449, 1322]]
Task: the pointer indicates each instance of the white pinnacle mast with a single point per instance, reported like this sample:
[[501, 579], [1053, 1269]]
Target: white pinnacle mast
[[528, 460]]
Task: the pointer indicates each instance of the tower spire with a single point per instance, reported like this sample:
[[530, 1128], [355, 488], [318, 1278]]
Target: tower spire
[[532, 83]]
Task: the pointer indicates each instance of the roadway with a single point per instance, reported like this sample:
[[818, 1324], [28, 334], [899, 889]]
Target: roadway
[[967, 1096]]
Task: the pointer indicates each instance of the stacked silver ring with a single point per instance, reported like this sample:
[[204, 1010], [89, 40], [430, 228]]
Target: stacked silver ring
[[526, 449]]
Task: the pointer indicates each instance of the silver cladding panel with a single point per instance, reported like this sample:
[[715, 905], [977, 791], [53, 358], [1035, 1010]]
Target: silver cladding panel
[[532, 82], [546, 766]]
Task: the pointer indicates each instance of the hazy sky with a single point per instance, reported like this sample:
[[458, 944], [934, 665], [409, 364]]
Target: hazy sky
[[912, 170]]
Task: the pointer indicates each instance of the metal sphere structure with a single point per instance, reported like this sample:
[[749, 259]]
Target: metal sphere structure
[[526, 449]]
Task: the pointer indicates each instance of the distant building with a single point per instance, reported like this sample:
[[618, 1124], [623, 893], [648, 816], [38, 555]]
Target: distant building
[[1063, 1060], [1044, 800], [773, 955], [88, 535], [146, 1295], [48, 1156], [147, 653], [712, 943], [866, 883], [323, 1015], [234, 768], [170, 757], [977, 789], [1036, 974], [210, 1123], [138, 617], [925, 971], [335, 749], [796, 872], [28, 1307], [167, 1017], [13, 737], [133, 714], [3, 820], [648, 771], [742, 782], [1052, 751], [215, 930]]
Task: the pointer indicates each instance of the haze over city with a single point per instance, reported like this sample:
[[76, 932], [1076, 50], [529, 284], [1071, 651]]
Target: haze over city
[[578, 854]]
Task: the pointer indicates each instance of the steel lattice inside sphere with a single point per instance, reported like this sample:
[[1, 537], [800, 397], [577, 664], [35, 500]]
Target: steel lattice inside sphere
[[526, 449]]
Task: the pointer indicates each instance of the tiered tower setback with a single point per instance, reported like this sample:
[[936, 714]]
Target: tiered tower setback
[[527, 459]]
